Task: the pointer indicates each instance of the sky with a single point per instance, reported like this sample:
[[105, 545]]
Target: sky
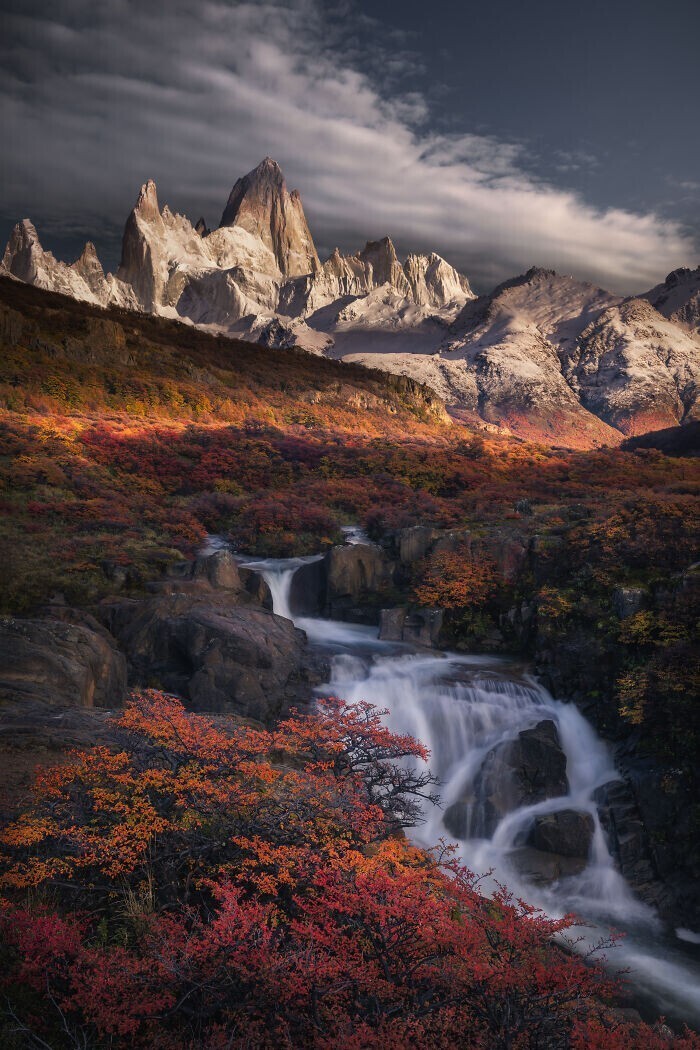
[[500, 134]]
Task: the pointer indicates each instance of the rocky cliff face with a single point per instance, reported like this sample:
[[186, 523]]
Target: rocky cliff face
[[261, 204], [678, 297], [25, 259], [543, 356], [636, 370]]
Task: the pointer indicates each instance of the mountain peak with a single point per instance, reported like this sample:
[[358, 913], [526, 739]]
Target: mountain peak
[[147, 204], [269, 164], [26, 231], [261, 204]]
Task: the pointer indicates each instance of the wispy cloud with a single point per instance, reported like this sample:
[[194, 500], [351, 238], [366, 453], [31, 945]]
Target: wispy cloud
[[105, 95]]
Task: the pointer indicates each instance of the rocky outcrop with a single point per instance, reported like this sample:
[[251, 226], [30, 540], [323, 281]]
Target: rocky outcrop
[[419, 627], [628, 841], [636, 370], [156, 246], [25, 259], [678, 298], [216, 655], [55, 662], [567, 832], [261, 204], [526, 770], [356, 577], [307, 594], [628, 601]]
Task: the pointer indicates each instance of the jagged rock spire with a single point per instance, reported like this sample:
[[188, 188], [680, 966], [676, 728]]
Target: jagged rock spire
[[261, 204]]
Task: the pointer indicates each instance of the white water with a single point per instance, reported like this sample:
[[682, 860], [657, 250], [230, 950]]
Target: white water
[[463, 706], [277, 574]]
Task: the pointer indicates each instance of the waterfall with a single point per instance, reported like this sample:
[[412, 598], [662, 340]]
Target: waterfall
[[470, 711], [278, 574]]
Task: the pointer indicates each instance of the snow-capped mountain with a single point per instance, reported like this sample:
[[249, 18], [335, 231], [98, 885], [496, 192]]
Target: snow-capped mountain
[[544, 356], [678, 297]]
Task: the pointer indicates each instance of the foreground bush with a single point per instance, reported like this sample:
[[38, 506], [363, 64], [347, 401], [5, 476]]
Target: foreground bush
[[206, 887]]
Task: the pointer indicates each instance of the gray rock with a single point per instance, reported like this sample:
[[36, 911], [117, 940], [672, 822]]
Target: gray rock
[[541, 867], [215, 655], [415, 542], [526, 770], [221, 570], [60, 663], [307, 594], [391, 622], [357, 576], [568, 833], [421, 627]]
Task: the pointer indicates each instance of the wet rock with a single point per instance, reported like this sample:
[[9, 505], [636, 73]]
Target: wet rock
[[516, 773], [217, 656], [256, 587], [357, 575], [628, 842], [539, 763], [523, 771], [568, 833], [541, 867], [307, 594], [62, 663], [417, 628], [456, 818], [391, 622]]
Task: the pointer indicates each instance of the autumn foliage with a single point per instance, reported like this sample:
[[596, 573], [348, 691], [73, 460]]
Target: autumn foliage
[[453, 579], [252, 888]]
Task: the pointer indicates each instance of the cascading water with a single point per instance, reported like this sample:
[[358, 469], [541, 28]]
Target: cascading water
[[469, 710], [278, 574]]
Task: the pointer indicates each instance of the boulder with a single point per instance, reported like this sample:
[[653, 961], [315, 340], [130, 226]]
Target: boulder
[[220, 570], [541, 867], [538, 763], [421, 627], [217, 656], [457, 818], [256, 587], [568, 833], [516, 773], [61, 663]]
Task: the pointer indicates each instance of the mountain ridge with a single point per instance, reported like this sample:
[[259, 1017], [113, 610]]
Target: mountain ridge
[[543, 356]]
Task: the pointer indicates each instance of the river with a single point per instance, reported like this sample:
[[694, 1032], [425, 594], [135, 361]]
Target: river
[[462, 708]]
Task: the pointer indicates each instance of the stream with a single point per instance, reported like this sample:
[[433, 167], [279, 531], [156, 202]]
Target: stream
[[463, 708]]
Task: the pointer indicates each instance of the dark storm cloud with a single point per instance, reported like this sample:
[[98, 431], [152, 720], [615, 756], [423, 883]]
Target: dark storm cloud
[[99, 97]]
